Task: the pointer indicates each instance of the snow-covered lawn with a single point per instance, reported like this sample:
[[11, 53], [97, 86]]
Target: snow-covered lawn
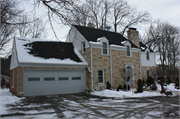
[[6, 98], [130, 93]]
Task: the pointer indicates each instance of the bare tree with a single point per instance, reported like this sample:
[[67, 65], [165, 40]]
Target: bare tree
[[34, 29], [163, 38], [9, 14]]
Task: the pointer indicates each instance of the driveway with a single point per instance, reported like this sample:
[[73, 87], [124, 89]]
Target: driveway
[[88, 106]]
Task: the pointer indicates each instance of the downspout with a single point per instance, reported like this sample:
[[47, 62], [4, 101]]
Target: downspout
[[110, 65], [91, 70], [140, 63]]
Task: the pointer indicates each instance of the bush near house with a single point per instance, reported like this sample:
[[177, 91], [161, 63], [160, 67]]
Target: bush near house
[[161, 82], [123, 87], [150, 81], [120, 87], [108, 85], [140, 86], [3, 83], [168, 80], [177, 83]]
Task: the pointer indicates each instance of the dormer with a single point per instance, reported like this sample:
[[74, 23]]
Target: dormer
[[105, 45], [127, 44]]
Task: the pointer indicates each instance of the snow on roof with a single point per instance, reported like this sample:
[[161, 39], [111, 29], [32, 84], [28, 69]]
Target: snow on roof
[[99, 39], [123, 42], [143, 48], [95, 42], [43, 51]]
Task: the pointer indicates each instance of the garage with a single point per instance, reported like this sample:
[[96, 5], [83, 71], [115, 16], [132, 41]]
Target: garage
[[45, 82]]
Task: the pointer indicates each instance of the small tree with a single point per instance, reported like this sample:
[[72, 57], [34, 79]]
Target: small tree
[[140, 86], [161, 81], [108, 85]]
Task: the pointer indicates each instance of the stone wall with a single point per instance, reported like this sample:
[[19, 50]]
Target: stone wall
[[144, 70], [19, 77], [119, 60]]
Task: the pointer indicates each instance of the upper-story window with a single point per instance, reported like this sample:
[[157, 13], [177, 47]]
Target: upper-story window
[[83, 47], [147, 55], [128, 50], [105, 49]]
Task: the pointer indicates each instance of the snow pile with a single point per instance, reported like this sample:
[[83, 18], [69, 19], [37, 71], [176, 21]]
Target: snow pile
[[169, 87], [125, 94], [6, 98]]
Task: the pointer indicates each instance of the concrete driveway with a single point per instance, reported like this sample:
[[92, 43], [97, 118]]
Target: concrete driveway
[[88, 106]]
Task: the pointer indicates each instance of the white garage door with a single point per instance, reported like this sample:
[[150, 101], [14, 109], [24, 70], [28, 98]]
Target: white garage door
[[45, 82]]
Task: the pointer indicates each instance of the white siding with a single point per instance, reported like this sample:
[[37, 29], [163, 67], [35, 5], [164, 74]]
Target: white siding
[[76, 38], [150, 62], [14, 60]]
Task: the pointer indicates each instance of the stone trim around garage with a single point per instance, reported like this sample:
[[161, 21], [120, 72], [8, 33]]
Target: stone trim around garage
[[19, 77]]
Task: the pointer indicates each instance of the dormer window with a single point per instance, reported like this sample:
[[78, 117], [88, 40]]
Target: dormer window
[[105, 52], [128, 51], [83, 47], [147, 55]]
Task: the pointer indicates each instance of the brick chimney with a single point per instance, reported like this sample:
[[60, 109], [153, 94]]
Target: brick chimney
[[133, 36]]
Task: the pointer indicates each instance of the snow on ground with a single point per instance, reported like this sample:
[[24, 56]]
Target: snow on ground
[[168, 87], [6, 98], [126, 94]]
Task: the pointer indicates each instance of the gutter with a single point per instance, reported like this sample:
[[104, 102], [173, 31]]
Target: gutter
[[91, 70]]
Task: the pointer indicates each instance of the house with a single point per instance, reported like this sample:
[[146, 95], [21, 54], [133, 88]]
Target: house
[[41, 67], [87, 60], [110, 56]]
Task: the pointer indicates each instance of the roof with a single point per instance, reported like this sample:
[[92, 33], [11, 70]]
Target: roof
[[44, 51], [92, 34], [143, 47]]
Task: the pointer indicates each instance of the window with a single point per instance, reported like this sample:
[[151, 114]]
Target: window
[[63, 78], [147, 55], [148, 73], [100, 76], [128, 52], [49, 79], [33, 79], [83, 47], [76, 78], [104, 48]]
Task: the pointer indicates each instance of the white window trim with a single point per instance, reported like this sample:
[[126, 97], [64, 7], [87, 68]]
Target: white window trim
[[82, 47], [129, 49], [107, 49], [103, 76]]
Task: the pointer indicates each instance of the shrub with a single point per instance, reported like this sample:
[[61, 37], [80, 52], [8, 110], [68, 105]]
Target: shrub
[[161, 81], [120, 86], [108, 85], [153, 87], [168, 80], [140, 86], [3, 83], [177, 83], [124, 87], [7, 85], [150, 81]]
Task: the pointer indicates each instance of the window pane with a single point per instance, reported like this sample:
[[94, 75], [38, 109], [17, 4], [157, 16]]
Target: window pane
[[128, 51], [100, 79], [104, 51], [49, 79], [84, 48], [33, 79], [76, 78], [63, 78], [104, 48], [100, 73], [147, 55]]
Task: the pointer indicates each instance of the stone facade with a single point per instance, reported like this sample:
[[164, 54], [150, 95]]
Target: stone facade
[[19, 77], [144, 70], [119, 60]]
